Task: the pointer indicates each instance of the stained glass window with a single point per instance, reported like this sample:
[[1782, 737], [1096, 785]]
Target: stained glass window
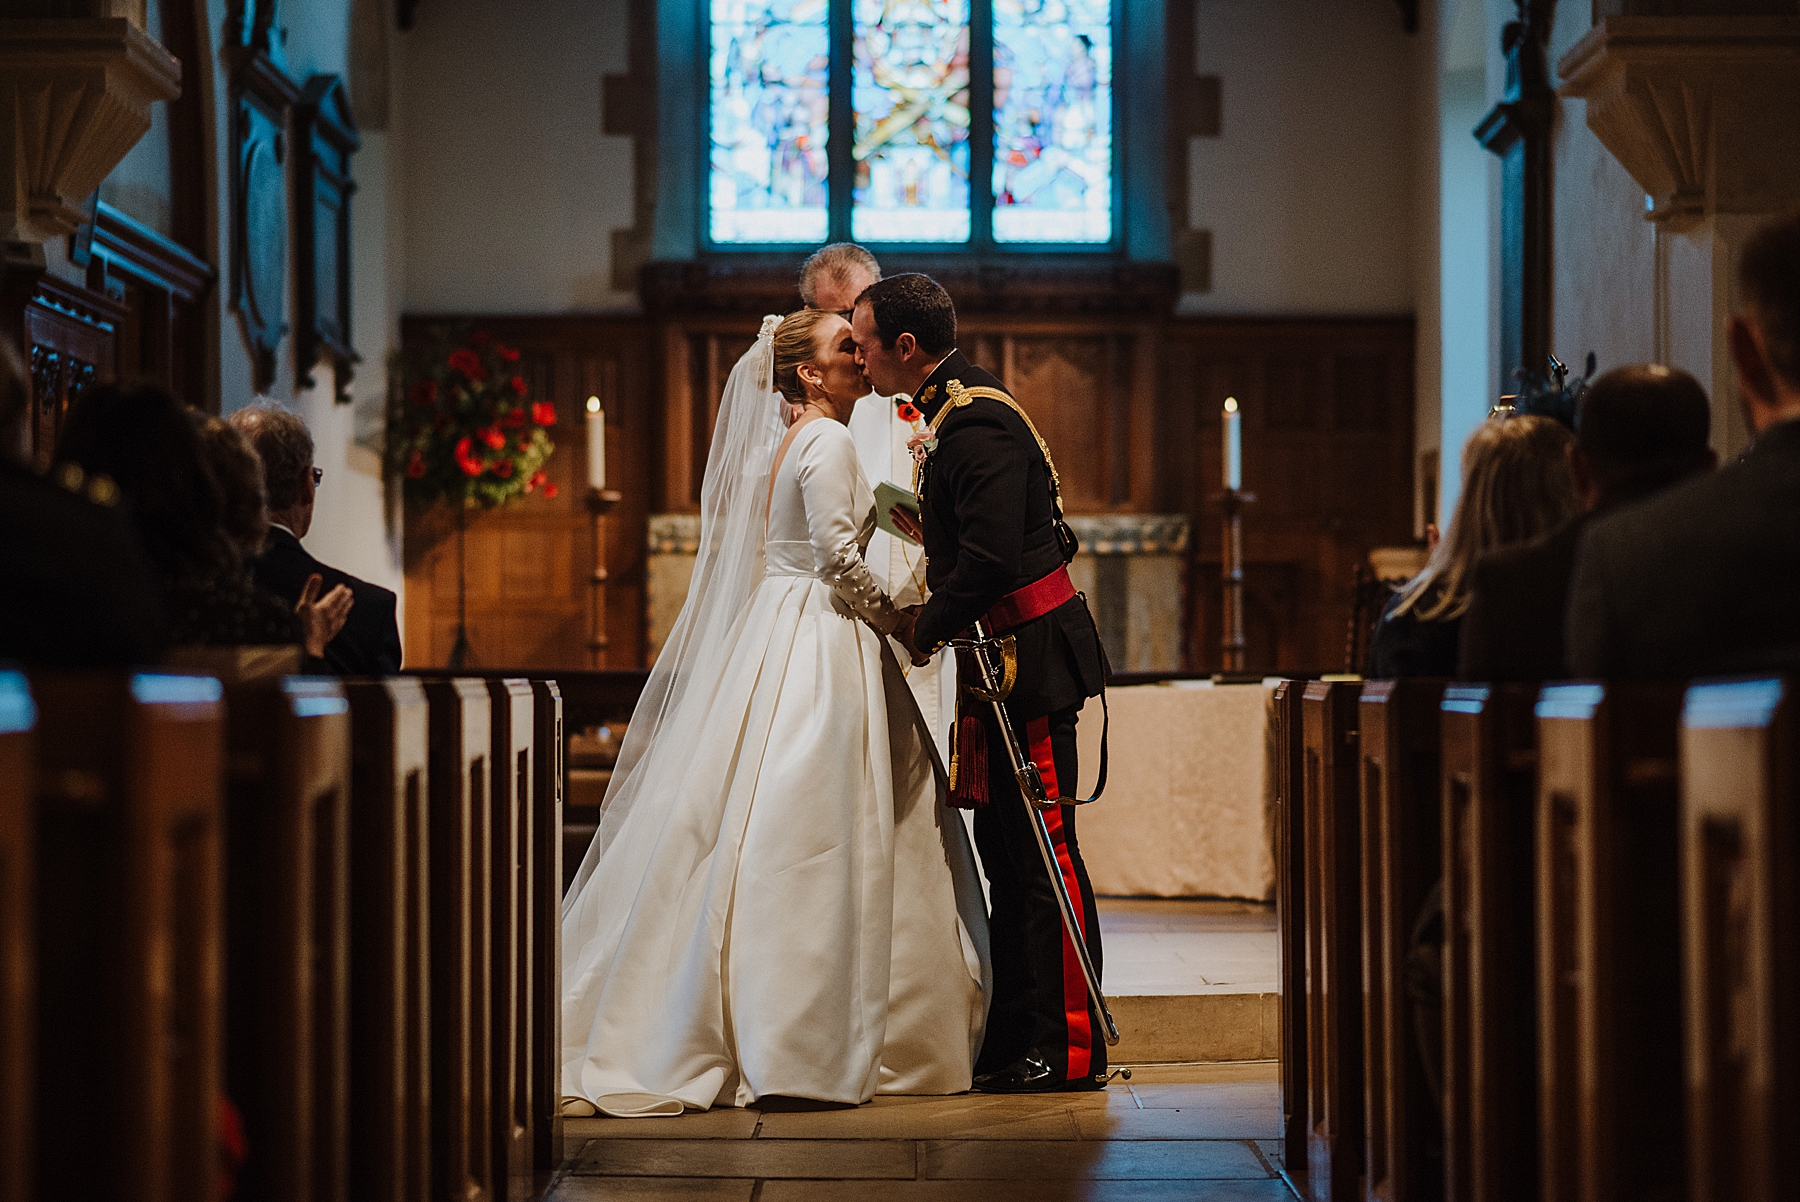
[[1052, 121], [911, 99], [903, 167], [770, 101]]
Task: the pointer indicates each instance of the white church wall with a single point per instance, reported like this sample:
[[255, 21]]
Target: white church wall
[[512, 191], [351, 527], [1309, 188]]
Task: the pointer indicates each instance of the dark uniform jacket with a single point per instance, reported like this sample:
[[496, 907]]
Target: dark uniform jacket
[[990, 529], [369, 643], [1701, 579]]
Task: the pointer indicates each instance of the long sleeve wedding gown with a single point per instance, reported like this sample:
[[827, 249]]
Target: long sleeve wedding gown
[[788, 909]]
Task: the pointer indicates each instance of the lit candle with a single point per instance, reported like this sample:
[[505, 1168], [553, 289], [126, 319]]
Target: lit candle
[[596, 430], [1234, 445]]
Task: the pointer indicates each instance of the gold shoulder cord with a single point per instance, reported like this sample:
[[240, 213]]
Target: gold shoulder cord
[[958, 397]]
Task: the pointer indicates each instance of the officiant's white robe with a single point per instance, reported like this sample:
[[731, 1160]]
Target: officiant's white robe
[[881, 438]]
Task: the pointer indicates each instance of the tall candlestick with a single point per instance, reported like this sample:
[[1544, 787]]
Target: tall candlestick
[[1234, 445], [596, 432]]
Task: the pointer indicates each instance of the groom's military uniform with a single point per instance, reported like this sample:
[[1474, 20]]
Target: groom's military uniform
[[995, 550]]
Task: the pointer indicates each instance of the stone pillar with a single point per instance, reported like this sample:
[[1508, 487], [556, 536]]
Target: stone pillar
[[1700, 111]]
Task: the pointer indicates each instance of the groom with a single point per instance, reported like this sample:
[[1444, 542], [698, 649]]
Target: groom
[[994, 550]]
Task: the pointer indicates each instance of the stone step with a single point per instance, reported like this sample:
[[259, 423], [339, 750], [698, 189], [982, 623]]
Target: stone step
[[1187, 1028]]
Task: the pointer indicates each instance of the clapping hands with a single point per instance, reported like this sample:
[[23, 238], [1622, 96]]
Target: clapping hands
[[322, 617]]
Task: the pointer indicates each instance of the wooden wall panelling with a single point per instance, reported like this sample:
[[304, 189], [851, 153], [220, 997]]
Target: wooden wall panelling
[[1739, 823], [529, 564], [1328, 442], [72, 335], [163, 286], [1609, 934]]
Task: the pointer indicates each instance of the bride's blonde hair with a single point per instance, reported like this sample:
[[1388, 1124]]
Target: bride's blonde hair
[[796, 343]]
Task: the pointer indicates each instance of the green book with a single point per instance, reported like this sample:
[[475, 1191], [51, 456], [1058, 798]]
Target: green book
[[892, 496]]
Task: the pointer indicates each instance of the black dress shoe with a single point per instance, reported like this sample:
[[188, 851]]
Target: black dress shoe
[[1031, 1074]]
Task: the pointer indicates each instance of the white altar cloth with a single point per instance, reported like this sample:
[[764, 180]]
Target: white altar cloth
[[1189, 804]]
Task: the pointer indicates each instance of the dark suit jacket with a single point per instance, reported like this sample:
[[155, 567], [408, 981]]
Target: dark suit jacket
[[1701, 579], [79, 591], [1519, 595], [1407, 646], [369, 643], [990, 530]]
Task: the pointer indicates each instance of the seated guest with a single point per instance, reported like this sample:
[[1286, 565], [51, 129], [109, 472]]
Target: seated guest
[[1701, 579], [369, 644], [188, 490], [1637, 431], [1515, 486], [79, 592]]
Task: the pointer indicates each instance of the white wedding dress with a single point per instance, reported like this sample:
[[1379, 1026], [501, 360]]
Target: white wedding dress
[[787, 907]]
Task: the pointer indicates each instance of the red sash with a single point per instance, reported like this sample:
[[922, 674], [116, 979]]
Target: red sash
[[1033, 601]]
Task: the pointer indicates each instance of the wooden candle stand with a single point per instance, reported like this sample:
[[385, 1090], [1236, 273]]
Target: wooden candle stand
[[599, 503]]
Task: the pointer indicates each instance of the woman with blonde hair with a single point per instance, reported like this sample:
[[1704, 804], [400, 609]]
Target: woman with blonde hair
[[1515, 486], [775, 902]]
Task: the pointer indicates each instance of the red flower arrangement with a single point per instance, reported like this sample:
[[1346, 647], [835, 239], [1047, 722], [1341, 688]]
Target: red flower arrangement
[[907, 412], [469, 431]]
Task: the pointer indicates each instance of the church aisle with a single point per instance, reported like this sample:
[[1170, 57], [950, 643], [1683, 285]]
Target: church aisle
[[1189, 1132]]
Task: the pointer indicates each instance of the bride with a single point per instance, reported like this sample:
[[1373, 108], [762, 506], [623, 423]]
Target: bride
[[776, 902]]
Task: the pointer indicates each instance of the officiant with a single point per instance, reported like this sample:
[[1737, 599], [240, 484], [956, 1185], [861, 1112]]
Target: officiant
[[831, 279], [998, 550]]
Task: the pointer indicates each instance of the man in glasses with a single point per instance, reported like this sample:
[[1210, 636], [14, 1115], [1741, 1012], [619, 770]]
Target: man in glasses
[[369, 644]]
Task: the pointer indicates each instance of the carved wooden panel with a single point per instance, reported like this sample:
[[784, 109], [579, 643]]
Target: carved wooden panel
[[73, 340], [263, 97]]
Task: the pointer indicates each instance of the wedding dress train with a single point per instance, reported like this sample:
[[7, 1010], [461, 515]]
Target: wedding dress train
[[788, 908]]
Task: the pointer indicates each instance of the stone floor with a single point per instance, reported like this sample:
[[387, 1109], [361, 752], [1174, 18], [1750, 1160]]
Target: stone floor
[[1205, 1132], [1160, 947], [1201, 1131]]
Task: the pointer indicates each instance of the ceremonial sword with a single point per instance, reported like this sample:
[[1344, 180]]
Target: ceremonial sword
[[1031, 790]]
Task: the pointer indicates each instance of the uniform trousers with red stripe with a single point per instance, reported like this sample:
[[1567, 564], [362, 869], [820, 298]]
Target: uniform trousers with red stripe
[[1041, 1003]]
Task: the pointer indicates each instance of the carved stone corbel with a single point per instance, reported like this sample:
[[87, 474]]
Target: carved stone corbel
[[75, 96], [1700, 110]]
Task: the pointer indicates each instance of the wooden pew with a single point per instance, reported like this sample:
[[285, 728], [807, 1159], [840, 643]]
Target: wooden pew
[[287, 928], [390, 1082], [511, 796], [1289, 759], [1609, 971], [1740, 848], [546, 945], [18, 721], [1490, 943], [461, 939], [129, 936], [1334, 1011], [1401, 862]]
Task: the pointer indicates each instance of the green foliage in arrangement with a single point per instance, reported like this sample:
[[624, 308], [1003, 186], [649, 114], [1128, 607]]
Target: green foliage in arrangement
[[464, 428]]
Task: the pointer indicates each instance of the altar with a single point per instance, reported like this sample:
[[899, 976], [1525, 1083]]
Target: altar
[[1189, 808]]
